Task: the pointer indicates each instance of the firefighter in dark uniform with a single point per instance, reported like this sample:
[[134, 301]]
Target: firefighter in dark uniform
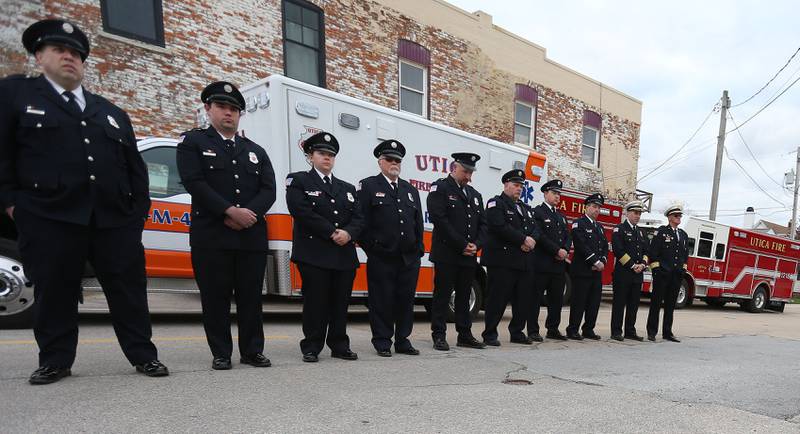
[[586, 270], [392, 240], [668, 254], [550, 255], [630, 250], [512, 235], [459, 231], [73, 180], [232, 184], [327, 220]]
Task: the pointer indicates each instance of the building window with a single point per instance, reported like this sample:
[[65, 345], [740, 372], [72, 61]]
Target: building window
[[413, 69], [590, 146], [413, 88], [525, 115], [136, 19], [304, 42]]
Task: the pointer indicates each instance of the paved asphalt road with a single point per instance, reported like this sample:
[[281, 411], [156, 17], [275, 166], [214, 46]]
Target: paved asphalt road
[[734, 372]]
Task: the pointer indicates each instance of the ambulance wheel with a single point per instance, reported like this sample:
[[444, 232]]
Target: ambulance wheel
[[684, 299], [16, 292], [475, 302], [759, 300]]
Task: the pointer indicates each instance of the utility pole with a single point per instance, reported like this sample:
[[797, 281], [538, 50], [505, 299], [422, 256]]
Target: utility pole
[[793, 223], [723, 118]]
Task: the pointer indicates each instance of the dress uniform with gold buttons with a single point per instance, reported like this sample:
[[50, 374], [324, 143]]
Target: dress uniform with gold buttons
[[320, 207], [630, 245], [458, 220], [510, 266], [392, 239], [220, 173], [591, 250], [668, 254], [73, 180], [550, 269]]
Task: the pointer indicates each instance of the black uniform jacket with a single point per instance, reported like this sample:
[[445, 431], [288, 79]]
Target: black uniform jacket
[[59, 163], [509, 223], [667, 254], [458, 219], [393, 222], [630, 248], [318, 211], [218, 179], [591, 246], [555, 236]]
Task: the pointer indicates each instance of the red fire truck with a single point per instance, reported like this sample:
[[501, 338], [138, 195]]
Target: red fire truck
[[730, 264]]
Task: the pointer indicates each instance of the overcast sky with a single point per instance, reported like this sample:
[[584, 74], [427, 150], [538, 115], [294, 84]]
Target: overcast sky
[[677, 57]]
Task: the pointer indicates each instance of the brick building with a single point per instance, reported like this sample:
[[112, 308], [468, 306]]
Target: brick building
[[422, 56]]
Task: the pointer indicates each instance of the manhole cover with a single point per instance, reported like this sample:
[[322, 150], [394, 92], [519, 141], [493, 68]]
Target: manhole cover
[[516, 382]]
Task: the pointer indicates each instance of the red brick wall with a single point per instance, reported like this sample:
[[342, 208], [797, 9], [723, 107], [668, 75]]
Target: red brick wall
[[241, 41]]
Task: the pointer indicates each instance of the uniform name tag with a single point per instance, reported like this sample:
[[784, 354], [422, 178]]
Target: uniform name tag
[[380, 194], [547, 220], [209, 153], [313, 193], [34, 111], [509, 212], [451, 197]]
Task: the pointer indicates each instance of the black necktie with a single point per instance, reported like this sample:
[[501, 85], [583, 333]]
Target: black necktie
[[72, 102], [327, 180], [394, 186], [229, 144]]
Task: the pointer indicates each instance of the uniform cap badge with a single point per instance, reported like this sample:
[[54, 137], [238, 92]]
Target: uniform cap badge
[[68, 27], [228, 88]]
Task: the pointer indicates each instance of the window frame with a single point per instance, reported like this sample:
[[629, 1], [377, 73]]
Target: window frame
[[400, 87], [532, 137], [321, 52], [158, 13], [596, 157]]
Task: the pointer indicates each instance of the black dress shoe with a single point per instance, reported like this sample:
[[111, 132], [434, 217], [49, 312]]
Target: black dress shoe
[[523, 340], [310, 358], [411, 351], [440, 344], [48, 374], [470, 342], [153, 368], [617, 338], [536, 337], [384, 353], [592, 335], [221, 364], [651, 338], [258, 360], [555, 334], [634, 337], [345, 355], [574, 336], [492, 342], [671, 338]]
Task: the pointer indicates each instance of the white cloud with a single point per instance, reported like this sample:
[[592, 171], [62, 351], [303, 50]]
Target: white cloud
[[677, 57]]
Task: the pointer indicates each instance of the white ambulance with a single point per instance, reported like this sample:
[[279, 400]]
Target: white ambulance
[[280, 114]]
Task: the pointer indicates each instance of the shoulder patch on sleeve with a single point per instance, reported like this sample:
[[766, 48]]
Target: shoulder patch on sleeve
[[574, 225], [433, 188], [616, 229], [289, 180], [490, 204], [358, 187]]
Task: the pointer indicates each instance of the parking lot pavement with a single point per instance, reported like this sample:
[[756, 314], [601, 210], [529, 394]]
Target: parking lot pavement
[[733, 372]]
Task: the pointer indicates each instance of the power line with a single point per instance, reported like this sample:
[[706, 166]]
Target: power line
[[702, 124], [770, 80], [742, 169], [764, 107], [750, 151]]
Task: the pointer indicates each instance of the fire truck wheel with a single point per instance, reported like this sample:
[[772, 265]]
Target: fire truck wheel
[[475, 302], [758, 302], [684, 299], [16, 292]]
